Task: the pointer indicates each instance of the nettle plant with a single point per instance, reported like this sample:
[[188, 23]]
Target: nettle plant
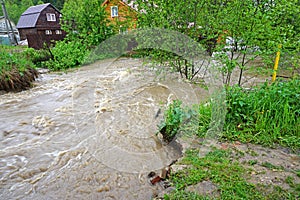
[[173, 118]]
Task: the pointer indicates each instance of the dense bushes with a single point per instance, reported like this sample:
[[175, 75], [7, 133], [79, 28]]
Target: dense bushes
[[17, 71], [267, 114], [66, 55]]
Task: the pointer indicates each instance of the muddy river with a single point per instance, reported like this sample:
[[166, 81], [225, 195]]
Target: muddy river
[[88, 134]]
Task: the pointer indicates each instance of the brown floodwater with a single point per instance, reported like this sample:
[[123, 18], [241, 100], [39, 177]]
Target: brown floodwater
[[89, 133]]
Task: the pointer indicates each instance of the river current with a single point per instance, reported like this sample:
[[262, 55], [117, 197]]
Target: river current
[[89, 133]]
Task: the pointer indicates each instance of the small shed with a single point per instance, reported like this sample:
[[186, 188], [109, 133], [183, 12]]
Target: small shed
[[40, 25]]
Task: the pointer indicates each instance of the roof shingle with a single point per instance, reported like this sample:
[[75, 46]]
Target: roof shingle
[[36, 9]]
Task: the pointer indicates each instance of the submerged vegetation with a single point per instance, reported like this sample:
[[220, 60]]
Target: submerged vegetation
[[172, 122]]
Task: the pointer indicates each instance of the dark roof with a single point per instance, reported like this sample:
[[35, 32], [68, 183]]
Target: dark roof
[[28, 21], [29, 18], [36, 9]]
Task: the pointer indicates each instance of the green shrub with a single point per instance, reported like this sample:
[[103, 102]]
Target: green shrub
[[38, 56], [173, 119], [204, 119], [67, 55]]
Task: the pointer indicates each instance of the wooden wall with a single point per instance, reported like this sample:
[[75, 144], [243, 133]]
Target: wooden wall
[[127, 17]]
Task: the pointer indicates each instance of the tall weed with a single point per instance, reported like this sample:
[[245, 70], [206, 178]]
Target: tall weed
[[268, 114]]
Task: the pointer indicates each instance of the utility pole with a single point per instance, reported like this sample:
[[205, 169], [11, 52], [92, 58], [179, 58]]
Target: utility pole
[[13, 39]]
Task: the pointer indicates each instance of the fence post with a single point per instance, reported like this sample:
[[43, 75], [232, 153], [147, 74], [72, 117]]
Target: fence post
[[276, 63]]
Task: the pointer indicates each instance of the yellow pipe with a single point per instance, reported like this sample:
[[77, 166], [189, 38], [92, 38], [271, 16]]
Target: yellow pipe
[[276, 63]]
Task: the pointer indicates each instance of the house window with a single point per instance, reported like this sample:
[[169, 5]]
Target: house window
[[58, 32], [48, 32], [114, 11], [51, 17]]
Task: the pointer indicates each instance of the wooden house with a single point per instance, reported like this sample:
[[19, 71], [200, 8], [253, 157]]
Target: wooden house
[[40, 25], [121, 13]]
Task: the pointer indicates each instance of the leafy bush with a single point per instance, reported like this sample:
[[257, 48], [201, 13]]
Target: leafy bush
[[38, 56], [173, 119], [67, 55], [267, 115]]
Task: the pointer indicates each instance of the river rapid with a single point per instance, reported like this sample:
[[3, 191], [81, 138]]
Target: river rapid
[[89, 133]]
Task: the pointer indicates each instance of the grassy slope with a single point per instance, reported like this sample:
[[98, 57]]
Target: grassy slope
[[267, 115], [17, 72]]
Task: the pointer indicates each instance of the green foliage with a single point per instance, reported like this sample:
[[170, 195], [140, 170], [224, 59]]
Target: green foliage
[[255, 27], [57, 3], [67, 55], [38, 56], [204, 119], [266, 115], [171, 51], [86, 25], [217, 167], [15, 8], [86, 20], [173, 119], [14, 57], [230, 178]]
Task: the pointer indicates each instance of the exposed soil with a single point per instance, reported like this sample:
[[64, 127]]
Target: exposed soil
[[16, 81], [264, 167]]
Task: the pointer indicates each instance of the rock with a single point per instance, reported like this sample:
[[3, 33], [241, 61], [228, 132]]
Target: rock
[[164, 192], [176, 168], [43, 71], [151, 174], [204, 188]]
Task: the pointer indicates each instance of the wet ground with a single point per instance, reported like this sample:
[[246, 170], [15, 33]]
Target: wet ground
[[267, 168]]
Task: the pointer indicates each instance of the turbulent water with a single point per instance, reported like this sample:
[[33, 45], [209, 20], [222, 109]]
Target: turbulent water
[[88, 134]]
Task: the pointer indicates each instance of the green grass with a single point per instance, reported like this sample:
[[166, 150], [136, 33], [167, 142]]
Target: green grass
[[268, 115], [231, 178], [271, 166]]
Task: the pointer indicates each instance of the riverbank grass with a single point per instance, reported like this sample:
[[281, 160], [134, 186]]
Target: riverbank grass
[[268, 115], [17, 71], [228, 179]]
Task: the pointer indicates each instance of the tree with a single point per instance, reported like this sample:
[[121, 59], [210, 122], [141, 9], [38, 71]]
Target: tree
[[255, 27], [86, 20], [15, 8], [57, 3], [86, 25]]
